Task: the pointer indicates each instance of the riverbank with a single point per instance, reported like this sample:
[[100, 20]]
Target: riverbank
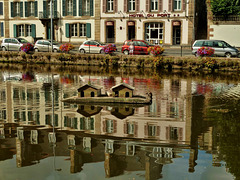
[[189, 63]]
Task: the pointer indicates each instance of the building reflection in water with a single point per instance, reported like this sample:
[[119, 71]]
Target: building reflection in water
[[124, 138]]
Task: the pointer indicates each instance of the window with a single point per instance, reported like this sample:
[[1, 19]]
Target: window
[[86, 7], [152, 130], [69, 7], [24, 30], [109, 5], [131, 4], [74, 30], [109, 124], [31, 8], [154, 5], [130, 128], [177, 5], [1, 8], [17, 9], [127, 94], [154, 33]]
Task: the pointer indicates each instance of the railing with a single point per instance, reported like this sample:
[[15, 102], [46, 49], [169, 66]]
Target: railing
[[226, 18], [47, 15]]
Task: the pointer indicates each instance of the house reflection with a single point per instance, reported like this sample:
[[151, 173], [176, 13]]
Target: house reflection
[[124, 138]]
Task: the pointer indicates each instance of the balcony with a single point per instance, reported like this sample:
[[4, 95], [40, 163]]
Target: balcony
[[47, 15]]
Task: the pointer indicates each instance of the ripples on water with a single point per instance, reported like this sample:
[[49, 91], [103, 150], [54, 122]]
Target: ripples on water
[[190, 131]]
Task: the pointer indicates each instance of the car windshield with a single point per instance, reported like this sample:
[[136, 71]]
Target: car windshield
[[21, 40]]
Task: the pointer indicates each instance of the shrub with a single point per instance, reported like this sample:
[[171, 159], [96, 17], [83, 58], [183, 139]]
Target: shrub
[[155, 50], [205, 51], [66, 47]]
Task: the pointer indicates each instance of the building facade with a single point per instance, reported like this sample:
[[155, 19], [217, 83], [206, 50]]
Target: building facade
[[167, 22]]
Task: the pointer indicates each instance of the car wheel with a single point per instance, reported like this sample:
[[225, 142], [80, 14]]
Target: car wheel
[[82, 51], [55, 50], [101, 51], [36, 50], [4, 49], [126, 52], [228, 55]]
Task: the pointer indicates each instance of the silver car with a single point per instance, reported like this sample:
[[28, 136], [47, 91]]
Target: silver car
[[91, 46], [221, 48], [13, 44], [46, 46]]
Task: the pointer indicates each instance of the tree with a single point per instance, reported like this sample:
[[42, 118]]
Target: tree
[[225, 7]]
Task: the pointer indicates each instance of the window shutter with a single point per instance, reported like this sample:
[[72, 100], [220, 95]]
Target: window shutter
[[158, 131], [2, 29], [1, 8], [21, 9], [137, 6], [116, 6], [88, 30], [170, 8], [74, 7], [44, 8], [67, 30], [33, 28], [26, 8], [160, 6], [36, 8], [64, 7], [55, 8], [91, 7], [12, 11], [183, 5], [104, 6], [125, 5], [128, 4], [80, 8], [15, 30], [147, 5]]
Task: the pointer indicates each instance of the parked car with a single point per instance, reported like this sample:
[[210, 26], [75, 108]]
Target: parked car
[[91, 46], [13, 44], [140, 46], [44, 45], [221, 48]]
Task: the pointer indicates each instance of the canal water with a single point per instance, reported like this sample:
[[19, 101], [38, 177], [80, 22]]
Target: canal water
[[190, 131]]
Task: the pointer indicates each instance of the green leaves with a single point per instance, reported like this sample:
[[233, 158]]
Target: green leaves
[[225, 7]]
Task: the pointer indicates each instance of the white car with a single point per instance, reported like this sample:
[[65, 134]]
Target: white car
[[46, 46], [13, 44], [91, 46]]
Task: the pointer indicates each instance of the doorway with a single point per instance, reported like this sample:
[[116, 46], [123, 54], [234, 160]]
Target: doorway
[[131, 30], [176, 35], [110, 34], [48, 31]]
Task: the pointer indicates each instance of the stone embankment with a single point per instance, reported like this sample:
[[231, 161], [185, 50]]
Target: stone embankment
[[144, 61]]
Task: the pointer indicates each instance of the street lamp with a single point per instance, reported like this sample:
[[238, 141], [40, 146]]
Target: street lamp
[[51, 25]]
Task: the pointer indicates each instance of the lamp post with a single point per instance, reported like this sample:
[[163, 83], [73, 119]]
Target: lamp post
[[51, 25]]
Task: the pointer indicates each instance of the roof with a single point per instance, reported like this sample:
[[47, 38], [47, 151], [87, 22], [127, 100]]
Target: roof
[[122, 84], [86, 86]]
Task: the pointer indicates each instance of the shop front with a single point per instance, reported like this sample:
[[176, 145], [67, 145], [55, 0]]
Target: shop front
[[154, 32]]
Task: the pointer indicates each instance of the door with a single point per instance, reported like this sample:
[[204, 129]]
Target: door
[[14, 45], [131, 30], [176, 35], [110, 34], [219, 48]]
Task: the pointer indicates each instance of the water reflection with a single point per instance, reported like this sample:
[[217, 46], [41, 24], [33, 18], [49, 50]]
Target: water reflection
[[186, 117]]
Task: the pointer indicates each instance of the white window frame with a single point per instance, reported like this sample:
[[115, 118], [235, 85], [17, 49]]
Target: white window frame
[[20, 30], [156, 26], [109, 124], [74, 30], [17, 8], [70, 7], [28, 28], [32, 8], [86, 9], [154, 5], [132, 7], [82, 30], [110, 5], [177, 5]]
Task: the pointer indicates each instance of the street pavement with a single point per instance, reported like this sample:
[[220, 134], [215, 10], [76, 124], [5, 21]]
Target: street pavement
[[169, 51]]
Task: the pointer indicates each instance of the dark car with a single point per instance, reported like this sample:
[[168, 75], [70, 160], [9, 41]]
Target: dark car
[[140, 46]]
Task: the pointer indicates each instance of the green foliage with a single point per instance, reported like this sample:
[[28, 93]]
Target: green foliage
[[225, 7]]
